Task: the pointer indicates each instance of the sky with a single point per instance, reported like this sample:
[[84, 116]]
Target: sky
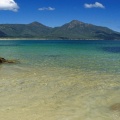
[[55, 13]]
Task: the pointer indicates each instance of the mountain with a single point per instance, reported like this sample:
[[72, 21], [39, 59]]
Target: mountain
[[31, 30], [79, 30], [2, 34], [72, 30]]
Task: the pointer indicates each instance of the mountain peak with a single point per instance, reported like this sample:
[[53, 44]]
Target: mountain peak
[[76, 22], [35, 23]]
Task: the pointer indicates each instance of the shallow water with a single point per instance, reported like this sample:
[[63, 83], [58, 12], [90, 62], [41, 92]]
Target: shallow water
[[60, 80]]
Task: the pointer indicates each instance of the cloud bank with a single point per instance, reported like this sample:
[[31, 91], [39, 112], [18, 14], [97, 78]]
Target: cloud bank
[[46, 8], [9, 5], [95, 5]]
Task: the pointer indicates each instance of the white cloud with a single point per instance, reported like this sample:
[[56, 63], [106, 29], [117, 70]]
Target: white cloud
[[9, 5], [46, 8], [95, 5]]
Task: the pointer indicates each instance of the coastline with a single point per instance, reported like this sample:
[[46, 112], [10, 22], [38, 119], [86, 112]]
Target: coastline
[[45, 39], [53, 39], [23, 39]]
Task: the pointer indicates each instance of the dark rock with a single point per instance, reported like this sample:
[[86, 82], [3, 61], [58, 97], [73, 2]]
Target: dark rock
[[115, 107], [3, 60]]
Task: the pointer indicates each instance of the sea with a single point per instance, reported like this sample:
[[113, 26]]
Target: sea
[[60, 80]]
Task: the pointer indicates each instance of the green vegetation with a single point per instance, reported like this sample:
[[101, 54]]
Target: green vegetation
[[2, 34], [73, 30]]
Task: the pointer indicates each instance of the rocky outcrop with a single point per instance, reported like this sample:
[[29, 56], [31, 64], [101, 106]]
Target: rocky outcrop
[[3, 60], [115, 107]]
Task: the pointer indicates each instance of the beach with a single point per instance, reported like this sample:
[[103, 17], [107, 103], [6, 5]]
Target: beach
[[59, 80]]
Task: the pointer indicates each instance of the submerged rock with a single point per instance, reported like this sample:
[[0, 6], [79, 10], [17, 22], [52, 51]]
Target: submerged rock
[[115, 107], [3, 60]]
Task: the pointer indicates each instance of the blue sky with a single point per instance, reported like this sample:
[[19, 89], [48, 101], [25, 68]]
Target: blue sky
[[58, 12]]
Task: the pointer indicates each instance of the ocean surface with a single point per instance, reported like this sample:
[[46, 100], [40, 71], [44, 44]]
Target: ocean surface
[[60, 80]]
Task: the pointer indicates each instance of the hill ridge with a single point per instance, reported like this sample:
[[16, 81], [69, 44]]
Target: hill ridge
[[73, 30]]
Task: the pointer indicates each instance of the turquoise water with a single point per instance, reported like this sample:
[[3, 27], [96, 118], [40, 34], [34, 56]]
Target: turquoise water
[[81, 78], [101, 56]]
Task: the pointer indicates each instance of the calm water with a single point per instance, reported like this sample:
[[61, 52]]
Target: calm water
[[60, 80]]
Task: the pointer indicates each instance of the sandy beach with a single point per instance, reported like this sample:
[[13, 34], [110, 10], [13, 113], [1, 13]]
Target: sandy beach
[[59, 81]]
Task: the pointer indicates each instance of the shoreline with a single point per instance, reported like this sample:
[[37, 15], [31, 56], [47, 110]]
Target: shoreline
[[48, 39], [23, 39]]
